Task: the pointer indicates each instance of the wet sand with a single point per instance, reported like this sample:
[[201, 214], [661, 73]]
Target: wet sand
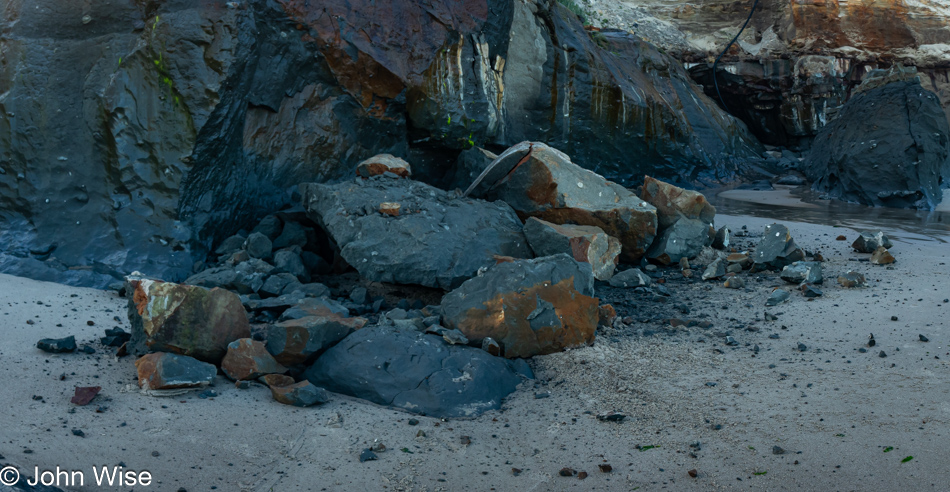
[[832, 409]]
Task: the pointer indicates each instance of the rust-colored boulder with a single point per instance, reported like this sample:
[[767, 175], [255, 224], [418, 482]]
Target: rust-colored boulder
[[249, 359], [276, 380], [529, 307], [383, 163], [162, 370], [302, 394], [881, 256], [673, 203], [296, 341], [184, 319], [587, 244], [540, 181]]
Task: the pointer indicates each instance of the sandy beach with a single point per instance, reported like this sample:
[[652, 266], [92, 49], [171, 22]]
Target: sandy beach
[[845, 420]]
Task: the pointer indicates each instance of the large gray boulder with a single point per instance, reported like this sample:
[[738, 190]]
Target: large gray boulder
[[417, 372], [436, 240], [888, 147], [530, 307]]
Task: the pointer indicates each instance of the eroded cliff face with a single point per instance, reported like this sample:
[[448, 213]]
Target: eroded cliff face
[[797, 61], [135, 135]]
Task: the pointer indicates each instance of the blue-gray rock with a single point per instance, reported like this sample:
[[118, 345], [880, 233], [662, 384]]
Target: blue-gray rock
[[300, 394], [230, 245], [276, 284], [269, 226], [299, 340], [685, 238], [630, 278], [258, 246], [417, 372], [437, 240], [722, 239], [314, 306], [777, 297], [869, 241], [163, 370], [287, 260], [314, 263], [57, 345], [715, 270], [803, 272], [776, 249], [530, 307], [293, 234]]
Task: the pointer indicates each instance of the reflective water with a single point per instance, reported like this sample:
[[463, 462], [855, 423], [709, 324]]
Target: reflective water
[[802, 205]]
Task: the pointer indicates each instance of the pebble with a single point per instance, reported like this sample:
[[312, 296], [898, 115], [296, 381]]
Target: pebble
[[368, 455], [79, 433], [413, 422], [893, 318], [566, 472], [882, 354], [777, 450], [923, 338], [802, 347]]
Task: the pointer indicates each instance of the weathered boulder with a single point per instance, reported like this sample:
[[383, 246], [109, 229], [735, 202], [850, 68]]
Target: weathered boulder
[[889, 147], [437, 241], [673, 203], [297, 341], [249, 359], [686, 238], [184, 319], [302, 394], [630, 278], [420, 373], [541, 181], [776, 249], [383, 163], [868, 241], [57, 345], [162, 370], [808, 272], [587, 244], [530, 307]]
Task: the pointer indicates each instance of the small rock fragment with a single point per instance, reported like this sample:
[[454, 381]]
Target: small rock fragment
[[368, 455], [566, 472], [777, 297], [881, 256], [57, 345], [802, 347], [383, 163], [249, 359], [777, 450], [869, 241], [923, 338], [734, 283], [390, 208], [611, 417], [84, 395], [851, 280], [605, 468], [693, 473]]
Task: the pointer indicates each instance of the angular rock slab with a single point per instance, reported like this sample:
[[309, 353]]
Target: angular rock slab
[[162, 370], [630, 278], [57, 345], [673, 203], [530, 307], [184, 319], [296, 341], [540, 181], [587, 244], [869, 241], [249, 359], [686, 238], [776, 249], [383, 163], [437, 240], [416, 372], [808, 272], [302, 394]]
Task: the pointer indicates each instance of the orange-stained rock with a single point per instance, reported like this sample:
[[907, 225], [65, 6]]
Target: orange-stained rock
[[278, 380], [606, 315], [383, 163], [881, 256], [162, 370], [296, 341], [587, 244], [390, 208], [529, 307], [673, 203], [184, 319], [540, 181], [249, 359], [302, 394]]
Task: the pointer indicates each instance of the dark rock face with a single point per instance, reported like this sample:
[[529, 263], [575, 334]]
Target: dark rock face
[[530, 307], [888, 147], [439, 240], [178, 123], [416, 372]]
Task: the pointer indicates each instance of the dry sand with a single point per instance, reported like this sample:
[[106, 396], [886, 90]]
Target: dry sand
[[832, 409]]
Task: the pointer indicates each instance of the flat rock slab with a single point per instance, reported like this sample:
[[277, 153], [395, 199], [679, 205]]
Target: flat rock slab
[[383, 163], [57, 345], [162, 370], [630, 278], [184, 319], [530, 307], [249, 359], [421, 373], [587, 244], [296, 341], [674, 203], [540, 181], [302, 394], [437, 240]]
